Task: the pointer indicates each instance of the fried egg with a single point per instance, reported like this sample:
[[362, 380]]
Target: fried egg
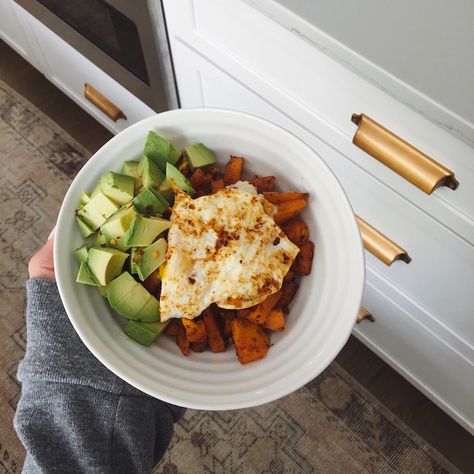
[[224, 248]]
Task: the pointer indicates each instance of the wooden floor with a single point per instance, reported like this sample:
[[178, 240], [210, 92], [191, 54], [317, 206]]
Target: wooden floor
[[422, 415]]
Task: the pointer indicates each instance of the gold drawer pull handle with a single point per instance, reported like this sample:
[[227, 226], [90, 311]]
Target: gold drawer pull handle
[[401, 157], [364, 315], [102, 103], [380, 245]]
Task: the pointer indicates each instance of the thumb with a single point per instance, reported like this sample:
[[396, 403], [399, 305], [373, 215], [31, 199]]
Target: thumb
[[41, 265]]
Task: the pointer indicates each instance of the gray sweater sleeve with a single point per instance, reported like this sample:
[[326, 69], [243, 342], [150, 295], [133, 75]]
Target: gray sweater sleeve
[[74, 415]]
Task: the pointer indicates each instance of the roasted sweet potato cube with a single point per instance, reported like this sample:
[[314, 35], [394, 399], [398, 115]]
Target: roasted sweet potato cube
[[244, 312], [289, 276], [198, 346], [288, 210], [296, 230], [277, 197], [152, 283], [181, 339], [172, 328], [227, 316], [214, 337], [275, 320], [263, 183], [195, 329], [233, 170], [251, 341], [288, 291], [217, 185], [304, 260], [213, 171], [197, 178], [259, 314]]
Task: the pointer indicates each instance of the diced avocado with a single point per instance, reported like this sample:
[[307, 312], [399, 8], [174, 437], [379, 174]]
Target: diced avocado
[[149, 172], [151, 258], [173, 175], [144, 333], [85, 275], [86, 231], [118, 187], [135, 256], [150, 202], [105, 263], [144, 230], [166, 191], [97, 211], [199, 155], [160, 150], [98, 240], [132, 300], [102, 290], [81, 253], [130, 168], [84, 199], [115, 227], [150, 311]]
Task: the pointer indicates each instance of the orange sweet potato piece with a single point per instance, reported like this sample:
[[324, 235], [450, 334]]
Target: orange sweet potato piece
[[233, 170], [181, 339], [198, 346], [172, 328], [244, 312], [217, 184], [214, 337], [152, 283], [288, 291], [275, 320], [251, 341], [263, 183], [213, 171], [227, 316], [259, 314], [288, 210], [296, 230], [278, 197], [304, 259], [195, 329], [197, 178], [289, 276]]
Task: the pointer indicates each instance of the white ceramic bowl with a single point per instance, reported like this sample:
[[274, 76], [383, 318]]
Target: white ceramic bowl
[[322, 314]]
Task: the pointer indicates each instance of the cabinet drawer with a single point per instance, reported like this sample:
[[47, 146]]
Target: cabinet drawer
[[318, 89], [425, 360], [70, 71], [440, 276]]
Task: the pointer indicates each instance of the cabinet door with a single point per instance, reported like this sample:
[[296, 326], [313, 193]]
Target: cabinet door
[[15, 31]]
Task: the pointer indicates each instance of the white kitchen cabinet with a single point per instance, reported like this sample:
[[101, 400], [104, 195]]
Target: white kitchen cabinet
[[229, 55], [67, 68]]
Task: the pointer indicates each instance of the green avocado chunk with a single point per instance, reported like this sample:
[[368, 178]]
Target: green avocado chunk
[[85, 230], [81, 253], [150, 173], [116, 226], [84, 199], [144, 230], [118, 187], [144, 333], [150, 258], [160, 150], [98, 240], [132, 300], [199, 155], [85, 276], [150, 202], [130, 168], [97, 210], [105, 263], [173, 175]]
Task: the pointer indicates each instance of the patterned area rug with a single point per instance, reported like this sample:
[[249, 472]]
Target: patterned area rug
[[332, 425]]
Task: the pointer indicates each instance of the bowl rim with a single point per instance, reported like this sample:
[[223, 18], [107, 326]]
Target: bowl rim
[[101, 353]]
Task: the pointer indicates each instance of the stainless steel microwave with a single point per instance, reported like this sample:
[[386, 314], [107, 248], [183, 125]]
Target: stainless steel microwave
[[125, 38]]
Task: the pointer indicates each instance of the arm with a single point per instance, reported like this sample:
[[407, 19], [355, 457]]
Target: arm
[[74, 415]]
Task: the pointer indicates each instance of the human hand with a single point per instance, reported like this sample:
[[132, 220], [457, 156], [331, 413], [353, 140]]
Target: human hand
[[41, 264]]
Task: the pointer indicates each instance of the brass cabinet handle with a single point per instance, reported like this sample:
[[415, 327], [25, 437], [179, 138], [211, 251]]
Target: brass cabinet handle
[[364, 315], [401, 157], [380, 245], [102, 103]]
